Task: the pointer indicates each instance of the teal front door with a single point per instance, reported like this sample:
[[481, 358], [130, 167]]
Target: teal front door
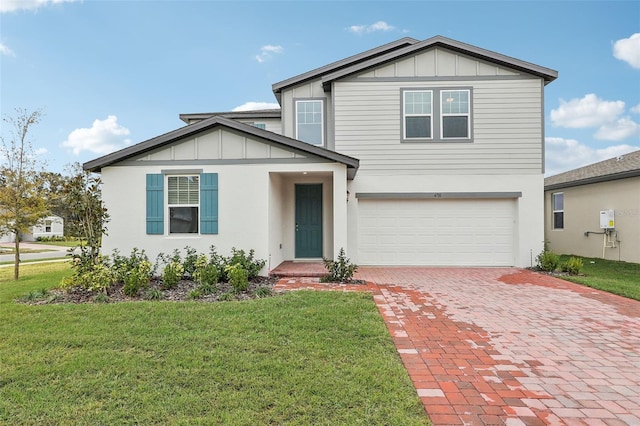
[[308, 221]]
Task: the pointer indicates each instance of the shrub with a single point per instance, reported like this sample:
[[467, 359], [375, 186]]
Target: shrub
[[152, 294], [573, 266], [190, 260], [340, 270], [205, 273], [238, 277], [101, 298], [205, 288], [194, 294], [35, 295], [137, 278], [89, 274], [248, 262], [547, 260], [124, 265], [172, 274]]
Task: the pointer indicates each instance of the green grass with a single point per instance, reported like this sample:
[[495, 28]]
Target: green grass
[[301, 358], [621, 278]]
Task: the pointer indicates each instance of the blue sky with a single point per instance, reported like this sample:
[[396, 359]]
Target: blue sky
[[111, 73]]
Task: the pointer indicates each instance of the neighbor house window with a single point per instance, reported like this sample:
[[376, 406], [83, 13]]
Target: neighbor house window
[[417, 113], [259, 125], [455, 113], [183, 195], [310, 121], [436, 114], [47, 226], [557, 200]]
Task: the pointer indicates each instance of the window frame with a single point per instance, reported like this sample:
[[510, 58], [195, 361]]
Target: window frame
[[323, 120], [458, 114], [406, 115], [555, 211], [437, 115], [48, 226], [169, 206]]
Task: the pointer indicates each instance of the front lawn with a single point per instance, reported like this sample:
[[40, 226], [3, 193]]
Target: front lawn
[[621, 278], [299, 358]]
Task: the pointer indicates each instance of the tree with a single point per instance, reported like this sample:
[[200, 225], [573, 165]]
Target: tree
[[85, 212], [22, 200]]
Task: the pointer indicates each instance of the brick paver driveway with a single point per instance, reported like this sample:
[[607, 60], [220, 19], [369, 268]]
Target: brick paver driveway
[[509, 346]]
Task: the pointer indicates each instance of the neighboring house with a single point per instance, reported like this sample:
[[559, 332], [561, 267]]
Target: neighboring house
[[412, 153], [50, 226], [575, 199]]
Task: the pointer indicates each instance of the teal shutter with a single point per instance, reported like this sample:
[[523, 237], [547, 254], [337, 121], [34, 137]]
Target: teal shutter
[[155, 204], [209, 203]]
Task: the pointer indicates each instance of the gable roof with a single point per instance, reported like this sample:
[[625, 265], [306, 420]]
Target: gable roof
[[343, 63], [220, 121], [439, 41], [261, 113], [621, 167]]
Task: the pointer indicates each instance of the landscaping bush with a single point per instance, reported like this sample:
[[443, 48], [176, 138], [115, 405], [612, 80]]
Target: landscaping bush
[[205, 273], [340, 270], [248, 262], [573, 266], [190, 260], [137, 278], [92, 275], [238, 277], [125, 265], [547, 260], [172, 274], [51, 238]]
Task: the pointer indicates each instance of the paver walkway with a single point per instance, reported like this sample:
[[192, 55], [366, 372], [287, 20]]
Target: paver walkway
[[508, 346]]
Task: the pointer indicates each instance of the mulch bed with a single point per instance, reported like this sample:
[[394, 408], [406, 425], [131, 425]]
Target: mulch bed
[[181, 292]]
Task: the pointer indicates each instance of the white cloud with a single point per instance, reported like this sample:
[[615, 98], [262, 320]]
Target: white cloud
[[618, 130], [376, 26], [103, 137], [252, 106], [4, 50], [636, 109], [41, 151], [13, 5], [628, 50], [589, 111], [267, 51], [562, 154]]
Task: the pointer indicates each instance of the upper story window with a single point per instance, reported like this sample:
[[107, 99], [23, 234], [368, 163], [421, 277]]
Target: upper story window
[[455, 113], [259, 125], [310, 121], [436, 115], [417, 114], [557, 201], [183, 195]]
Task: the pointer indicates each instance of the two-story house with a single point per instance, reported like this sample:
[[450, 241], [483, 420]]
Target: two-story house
[[413, 153]]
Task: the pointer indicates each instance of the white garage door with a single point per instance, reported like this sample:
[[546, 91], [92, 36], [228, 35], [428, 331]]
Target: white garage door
[[436, 232]]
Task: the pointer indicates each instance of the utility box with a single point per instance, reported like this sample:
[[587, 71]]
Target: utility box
[[607, 219]]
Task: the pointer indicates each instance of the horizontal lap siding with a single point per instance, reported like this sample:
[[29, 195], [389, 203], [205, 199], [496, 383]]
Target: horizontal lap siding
[[507, 123]]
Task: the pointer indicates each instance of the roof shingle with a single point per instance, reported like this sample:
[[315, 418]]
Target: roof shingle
[[623, 166]]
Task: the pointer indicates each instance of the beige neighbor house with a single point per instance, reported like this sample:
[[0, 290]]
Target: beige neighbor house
[[594, 211], [412, 153]]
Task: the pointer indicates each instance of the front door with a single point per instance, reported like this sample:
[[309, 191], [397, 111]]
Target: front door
[[308, 221]]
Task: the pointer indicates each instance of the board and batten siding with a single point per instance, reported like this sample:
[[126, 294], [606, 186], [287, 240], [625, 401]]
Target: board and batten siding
[[506, 119], [217, 144]]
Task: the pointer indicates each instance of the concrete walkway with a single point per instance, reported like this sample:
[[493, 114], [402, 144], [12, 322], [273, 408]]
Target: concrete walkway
[[53, 252], [508, 346]]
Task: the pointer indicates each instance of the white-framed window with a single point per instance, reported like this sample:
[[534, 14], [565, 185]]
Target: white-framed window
[[310, 121], [47, 226], [262, 126], [437, 114], [183, 199], [557, 201], [417, 114], [455, 114]]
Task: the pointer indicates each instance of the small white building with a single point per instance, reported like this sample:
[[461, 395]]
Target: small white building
[[50, 226]]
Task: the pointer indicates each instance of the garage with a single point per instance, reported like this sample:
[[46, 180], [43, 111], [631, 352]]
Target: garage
[[440, 232]]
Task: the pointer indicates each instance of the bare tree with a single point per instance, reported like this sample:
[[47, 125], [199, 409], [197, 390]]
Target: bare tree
[[22, 200]]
